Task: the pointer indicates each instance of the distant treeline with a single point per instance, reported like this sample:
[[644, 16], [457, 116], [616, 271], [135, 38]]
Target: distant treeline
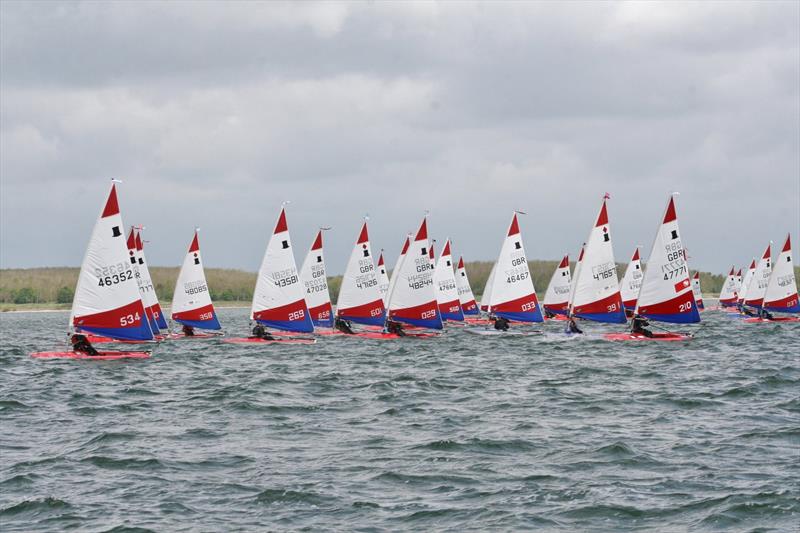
[[57, 285]]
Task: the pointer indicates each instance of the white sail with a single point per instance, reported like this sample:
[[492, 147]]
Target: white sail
[[315, 283], [279, 299], [191, 301], [107, 299], [758, 284], [666, 293], [632, 282], [360, 299], [781, 294], [465, 296], [446, 289]]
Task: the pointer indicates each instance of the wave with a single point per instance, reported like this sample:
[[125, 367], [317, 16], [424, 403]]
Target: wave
[[269, 496], [35, 506]]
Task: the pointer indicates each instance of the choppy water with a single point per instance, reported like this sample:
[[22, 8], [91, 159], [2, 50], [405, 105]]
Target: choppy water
[[458, 433]]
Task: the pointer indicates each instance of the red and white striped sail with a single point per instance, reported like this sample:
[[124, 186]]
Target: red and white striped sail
[[632, 281], [738, 282], [666, 294], [383, 278], [597, 296], [728, 295], [149, 296], [315, 284], [107, 298], [393, 279], [465, 296], [556, 299], [748, 277], [191, 301], [513, 295], [136, 260], [696, 290], [360, 299], [758, 284], [413, 297], [486, 297], [446, 289], [781, 294], [279, 297]]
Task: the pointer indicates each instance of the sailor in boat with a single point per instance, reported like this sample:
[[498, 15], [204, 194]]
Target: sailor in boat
[[344, 326], [261, 332], [745, 311], [548, 313], [188, 330], [501, 324], [764, 314], [395, 328], [81, 344], [638, 326], [572, 326]]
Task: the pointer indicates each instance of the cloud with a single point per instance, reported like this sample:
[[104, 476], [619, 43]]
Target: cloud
[[214, 115]]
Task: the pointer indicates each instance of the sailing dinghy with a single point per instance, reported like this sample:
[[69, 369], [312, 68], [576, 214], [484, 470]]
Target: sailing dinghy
[[315, 283], [596, 295], [781, 292], [383, 278], [728, 295], [446, 290], [412, 299], [487, 290], [631, 283], [360, 299], [107, 299], [698, 293], [279, 297], [151, 306], [748, 277], [511, 294], [191, 300], [468, 305], [757, 288], [666, 294], [556, 299]]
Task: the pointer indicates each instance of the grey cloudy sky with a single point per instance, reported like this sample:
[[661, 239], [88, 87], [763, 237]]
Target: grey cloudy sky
[[213, 114]]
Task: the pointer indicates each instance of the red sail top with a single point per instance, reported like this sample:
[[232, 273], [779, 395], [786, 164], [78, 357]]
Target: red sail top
[[602, 218], [317, 242], [422, 234], [112, 207], [670, 214], [787, 247], [514, 228], [195, 246], [460, 262], [139, 241], [635, 255], [281, 226], [380, 260], [405, 246], [446, 250], [564, 262], [131, 240], [767, 253], [363, 236]]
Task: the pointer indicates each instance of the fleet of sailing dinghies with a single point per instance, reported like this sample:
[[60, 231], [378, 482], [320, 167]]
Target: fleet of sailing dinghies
[[512, 293], [360, 298], [666, 294], [729, 295], [757, 288], [383, 278], [191, 301], [412, 298], [107, 298], [556, 299], [446, 289], [781, 294], [632, 282], [115, 299], [698, 293], [748, 277], [465, 296], [315, 284], [279, 300], [596, 294]]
